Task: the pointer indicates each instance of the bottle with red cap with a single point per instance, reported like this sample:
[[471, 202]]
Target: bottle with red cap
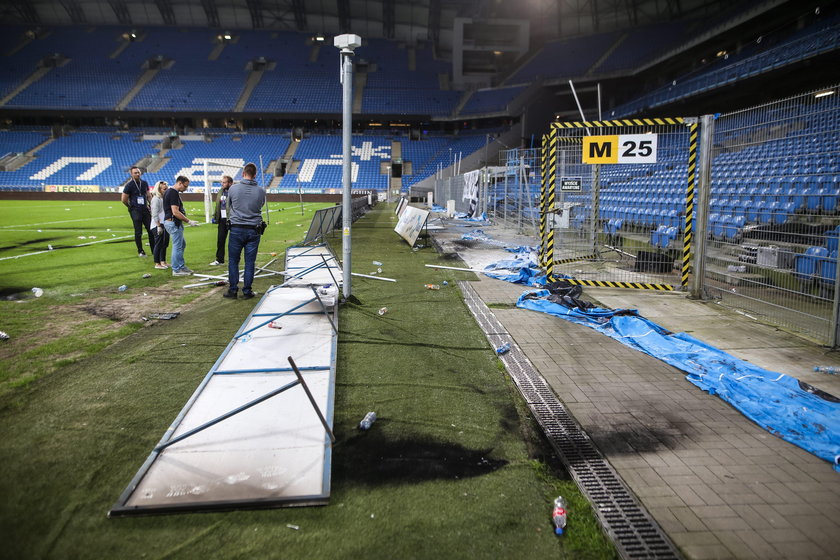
[[559, 515]]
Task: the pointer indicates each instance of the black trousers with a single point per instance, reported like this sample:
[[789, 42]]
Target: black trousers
[[161, 243], [221, 241], [141, 217]]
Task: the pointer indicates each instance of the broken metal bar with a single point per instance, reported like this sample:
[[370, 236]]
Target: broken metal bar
[[267, 370], [312, 399], [233, 412], [373, 277], [277, 316], [324, 307]]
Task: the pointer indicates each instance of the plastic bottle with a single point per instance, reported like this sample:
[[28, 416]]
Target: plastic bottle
[[383, 311], [38, 292], [503, 349], [432, 287], [123, 288], [377, 263], [367, 421], [828, 369], [559, 515]]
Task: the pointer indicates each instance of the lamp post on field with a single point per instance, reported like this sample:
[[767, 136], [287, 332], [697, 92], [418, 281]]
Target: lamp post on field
[[346, 43]]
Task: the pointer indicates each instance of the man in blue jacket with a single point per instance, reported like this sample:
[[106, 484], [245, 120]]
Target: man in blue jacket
[[244, 202]]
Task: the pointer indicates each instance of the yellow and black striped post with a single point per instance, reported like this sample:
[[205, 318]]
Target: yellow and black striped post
[[549, 203], [689, 202], [543, 209]]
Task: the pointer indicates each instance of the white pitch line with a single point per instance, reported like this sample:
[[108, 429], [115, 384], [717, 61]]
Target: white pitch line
[[59, 222], [70, 247]]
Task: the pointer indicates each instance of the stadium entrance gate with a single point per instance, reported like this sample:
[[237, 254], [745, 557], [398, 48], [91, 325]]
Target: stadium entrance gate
[[617, 202]]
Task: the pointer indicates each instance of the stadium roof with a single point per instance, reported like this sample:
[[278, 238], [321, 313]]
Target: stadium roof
[[407, 20]]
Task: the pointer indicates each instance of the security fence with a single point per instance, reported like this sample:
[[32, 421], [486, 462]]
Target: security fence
[[774, 213], [760, 208], [621, 191]]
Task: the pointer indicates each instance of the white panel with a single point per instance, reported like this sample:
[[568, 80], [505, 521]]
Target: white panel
[[275, 452]]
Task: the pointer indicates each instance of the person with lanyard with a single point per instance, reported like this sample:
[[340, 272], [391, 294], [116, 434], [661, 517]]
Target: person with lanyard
[[174, 220], [158, 216], [245, 202], [136, 197], [220, 216]]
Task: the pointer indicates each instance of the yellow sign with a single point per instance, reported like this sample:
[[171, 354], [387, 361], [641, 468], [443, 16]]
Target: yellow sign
[[625, 148]]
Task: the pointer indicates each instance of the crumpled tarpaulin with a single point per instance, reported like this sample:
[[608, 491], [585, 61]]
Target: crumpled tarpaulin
[[522, 269], [466, 217], [795, 411]]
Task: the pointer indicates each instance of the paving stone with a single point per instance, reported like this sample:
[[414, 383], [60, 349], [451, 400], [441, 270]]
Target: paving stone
[[717, 483]]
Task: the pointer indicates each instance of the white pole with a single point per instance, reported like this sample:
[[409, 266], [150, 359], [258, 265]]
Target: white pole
[[582, 117], [207, 197]]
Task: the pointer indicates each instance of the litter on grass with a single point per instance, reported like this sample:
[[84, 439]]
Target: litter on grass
[[4, 336], [162, 316], [38, 292]]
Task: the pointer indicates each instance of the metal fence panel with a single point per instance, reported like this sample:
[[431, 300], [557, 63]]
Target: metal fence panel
[[774, 212], [622, 224]]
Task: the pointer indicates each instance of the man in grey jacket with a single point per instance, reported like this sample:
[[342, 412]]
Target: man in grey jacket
[[244, 204]]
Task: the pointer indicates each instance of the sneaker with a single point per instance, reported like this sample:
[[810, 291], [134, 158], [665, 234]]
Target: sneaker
[[217, 263], [248, 295], [182, 272], [189, 270], [141, 254], [161, 266], [230, 295]]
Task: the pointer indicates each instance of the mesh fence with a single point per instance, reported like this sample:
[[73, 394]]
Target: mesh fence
[[773, 213]]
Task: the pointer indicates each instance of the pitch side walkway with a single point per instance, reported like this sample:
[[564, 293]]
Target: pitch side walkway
[[717, 484]]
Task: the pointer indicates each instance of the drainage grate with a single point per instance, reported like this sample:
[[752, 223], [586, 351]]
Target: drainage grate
[[625, 520]]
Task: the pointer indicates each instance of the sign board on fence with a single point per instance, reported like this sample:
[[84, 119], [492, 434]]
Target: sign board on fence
[[411, 223], [569, 185], [624, 148]]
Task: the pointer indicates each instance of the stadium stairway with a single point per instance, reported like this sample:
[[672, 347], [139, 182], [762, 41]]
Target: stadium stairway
[[144, 79], [34, 77], [251, 83]]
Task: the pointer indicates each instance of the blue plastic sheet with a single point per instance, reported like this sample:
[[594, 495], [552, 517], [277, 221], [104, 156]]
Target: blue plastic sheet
[[779, 403], [521, 269]]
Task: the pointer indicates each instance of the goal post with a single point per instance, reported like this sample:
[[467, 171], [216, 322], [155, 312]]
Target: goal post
[[214, 170]]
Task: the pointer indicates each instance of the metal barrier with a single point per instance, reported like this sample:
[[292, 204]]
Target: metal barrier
[[623, 203], [774, 212]]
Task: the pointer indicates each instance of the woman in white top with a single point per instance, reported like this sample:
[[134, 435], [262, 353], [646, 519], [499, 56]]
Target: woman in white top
[[161, 241]]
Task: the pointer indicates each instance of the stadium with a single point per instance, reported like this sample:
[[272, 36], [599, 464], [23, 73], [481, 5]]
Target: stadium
[[594, 254]]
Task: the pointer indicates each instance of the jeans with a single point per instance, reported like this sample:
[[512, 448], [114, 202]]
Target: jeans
[[238, 239], [160, 244], [176, 234], [141, 217]]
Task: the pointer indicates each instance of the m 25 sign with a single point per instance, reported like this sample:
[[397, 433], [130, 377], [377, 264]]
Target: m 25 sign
[[626, 148]]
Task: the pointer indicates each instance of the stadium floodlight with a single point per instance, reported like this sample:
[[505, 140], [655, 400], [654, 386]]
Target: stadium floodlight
[[346, 43]]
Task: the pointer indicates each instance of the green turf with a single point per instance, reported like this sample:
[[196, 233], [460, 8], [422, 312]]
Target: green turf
[[453, 467], [58, 326]]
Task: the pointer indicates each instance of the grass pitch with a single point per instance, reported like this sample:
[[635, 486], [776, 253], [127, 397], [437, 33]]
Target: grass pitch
[[453, 467]]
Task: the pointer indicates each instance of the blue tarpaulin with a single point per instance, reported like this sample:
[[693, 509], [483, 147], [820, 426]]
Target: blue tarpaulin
[[781, 404], [521, 269]]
